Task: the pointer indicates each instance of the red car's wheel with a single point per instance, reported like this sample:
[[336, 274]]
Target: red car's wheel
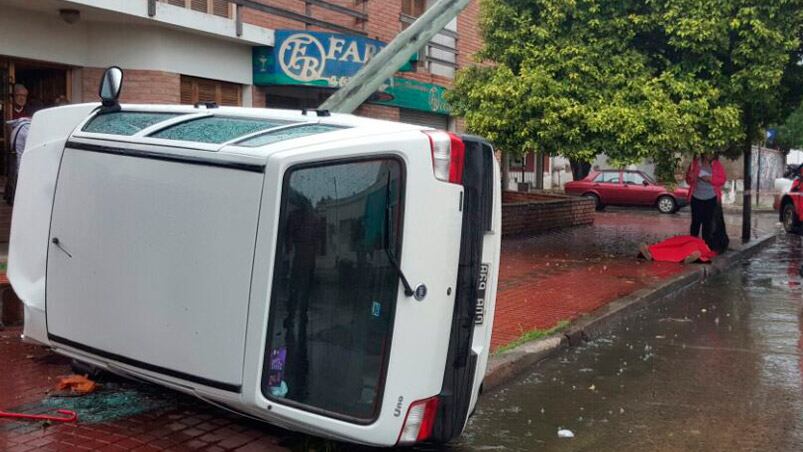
[[597, 203], [667, 204], [790, 221]]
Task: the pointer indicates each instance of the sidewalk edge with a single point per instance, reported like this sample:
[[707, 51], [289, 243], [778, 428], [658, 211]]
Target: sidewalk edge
[[506, 366]]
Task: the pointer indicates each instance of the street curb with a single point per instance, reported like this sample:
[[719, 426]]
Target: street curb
[[507, 365]]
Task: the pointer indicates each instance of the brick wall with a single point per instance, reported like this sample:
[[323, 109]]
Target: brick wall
[[139, 86], [378, 112], [533, 213], [469, 38]]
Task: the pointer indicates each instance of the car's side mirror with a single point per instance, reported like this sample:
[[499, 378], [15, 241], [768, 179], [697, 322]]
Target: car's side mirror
[[110, 85], [645, 183]]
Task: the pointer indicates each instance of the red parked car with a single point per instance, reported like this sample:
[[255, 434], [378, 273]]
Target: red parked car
[[791, 205], [627, 188]]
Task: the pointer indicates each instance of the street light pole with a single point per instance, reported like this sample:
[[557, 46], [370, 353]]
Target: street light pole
[[382, 66]]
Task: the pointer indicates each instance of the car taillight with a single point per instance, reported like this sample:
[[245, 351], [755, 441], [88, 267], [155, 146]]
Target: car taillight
[[419, 421], [448, 155]]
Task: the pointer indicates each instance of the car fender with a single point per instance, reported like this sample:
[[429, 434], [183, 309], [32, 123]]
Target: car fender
[[797, 201]]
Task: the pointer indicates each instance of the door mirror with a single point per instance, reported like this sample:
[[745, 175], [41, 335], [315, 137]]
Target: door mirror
[[645, 183], [110, 85]]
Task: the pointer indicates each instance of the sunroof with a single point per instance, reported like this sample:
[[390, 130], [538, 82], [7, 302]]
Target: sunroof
[[215, 129], [125, 122], [287, 134]]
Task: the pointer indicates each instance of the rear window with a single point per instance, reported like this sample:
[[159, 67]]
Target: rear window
[[287, 134], [125, 122], [215, 129], [334, 287]]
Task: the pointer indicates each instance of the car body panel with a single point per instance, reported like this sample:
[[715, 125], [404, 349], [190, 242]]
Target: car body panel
[[625, 189]]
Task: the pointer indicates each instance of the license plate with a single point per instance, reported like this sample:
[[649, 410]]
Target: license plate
[[482, 285]]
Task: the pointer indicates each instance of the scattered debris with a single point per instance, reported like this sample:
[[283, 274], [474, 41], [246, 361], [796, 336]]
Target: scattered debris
[[74, 385], [592, 387], [565, 433], [68, 416]]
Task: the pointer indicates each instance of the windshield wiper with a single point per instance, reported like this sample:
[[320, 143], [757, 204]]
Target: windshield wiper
[[408, 291]]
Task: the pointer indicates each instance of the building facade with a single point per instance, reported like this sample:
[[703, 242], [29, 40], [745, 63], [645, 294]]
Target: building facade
[[256, 53]]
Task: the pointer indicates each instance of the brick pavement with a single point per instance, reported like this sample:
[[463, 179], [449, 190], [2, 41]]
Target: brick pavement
[[543, 280], [562, 275]]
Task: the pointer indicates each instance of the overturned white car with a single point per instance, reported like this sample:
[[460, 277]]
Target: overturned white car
[[331, 274]]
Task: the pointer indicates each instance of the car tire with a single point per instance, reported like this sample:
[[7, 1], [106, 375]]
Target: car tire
[[597, 202], [790, 223], [667, 204]]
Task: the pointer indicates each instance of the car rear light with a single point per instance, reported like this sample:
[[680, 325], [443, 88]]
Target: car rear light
[[448, 155], [419, 421]]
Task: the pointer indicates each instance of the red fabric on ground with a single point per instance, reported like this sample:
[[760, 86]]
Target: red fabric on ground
[[675, 249]]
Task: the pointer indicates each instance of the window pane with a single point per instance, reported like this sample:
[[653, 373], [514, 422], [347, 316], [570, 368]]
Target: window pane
[[215, 129], [125, 122], [611, 177], [287, 134], [334, 288], [634, 178]]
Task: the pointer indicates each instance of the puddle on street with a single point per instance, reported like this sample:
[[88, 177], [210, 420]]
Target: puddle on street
[[716, 368]]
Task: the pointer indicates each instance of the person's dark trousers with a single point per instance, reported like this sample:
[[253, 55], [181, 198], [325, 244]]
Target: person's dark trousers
[[702, 213]]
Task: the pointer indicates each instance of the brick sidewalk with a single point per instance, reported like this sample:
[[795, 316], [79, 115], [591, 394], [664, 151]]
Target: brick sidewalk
[[562, 275], [543, 280]]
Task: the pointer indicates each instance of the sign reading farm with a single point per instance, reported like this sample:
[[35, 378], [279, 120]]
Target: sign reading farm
[[312, 58]]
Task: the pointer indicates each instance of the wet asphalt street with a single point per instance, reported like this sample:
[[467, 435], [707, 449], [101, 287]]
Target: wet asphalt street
[[716, 367]]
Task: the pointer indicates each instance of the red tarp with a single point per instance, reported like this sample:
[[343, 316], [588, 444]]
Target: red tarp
[[675, 249]]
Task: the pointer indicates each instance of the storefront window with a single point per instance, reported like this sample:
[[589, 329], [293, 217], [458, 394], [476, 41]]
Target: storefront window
[[334, 288]]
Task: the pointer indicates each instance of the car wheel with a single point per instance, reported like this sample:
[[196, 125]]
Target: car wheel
[[597, 203], [790, 223], [667, 204]]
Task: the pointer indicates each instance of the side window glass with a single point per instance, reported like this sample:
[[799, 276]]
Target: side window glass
[[634, 179], [287, 134], [215, 129], [607, 177], [125, 123]]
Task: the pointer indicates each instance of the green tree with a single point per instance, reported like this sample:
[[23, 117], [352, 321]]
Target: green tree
[[790, 133], [633, 79]]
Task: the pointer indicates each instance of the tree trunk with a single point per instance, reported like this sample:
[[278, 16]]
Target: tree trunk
[[505, 171], [580, 169], [748, 175]]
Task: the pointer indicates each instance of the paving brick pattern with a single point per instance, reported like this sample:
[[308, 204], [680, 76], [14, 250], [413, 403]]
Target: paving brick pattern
[[564, 274], [544, 279]]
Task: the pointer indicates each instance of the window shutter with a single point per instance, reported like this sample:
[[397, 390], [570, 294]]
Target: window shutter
[[229, 94], [199, 5], [187, 88], [181, 3], [220, 8]]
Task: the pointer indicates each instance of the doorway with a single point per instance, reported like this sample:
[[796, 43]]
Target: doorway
[[47, 85]]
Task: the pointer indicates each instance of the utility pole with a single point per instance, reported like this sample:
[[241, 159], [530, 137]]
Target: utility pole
[[390, 59]]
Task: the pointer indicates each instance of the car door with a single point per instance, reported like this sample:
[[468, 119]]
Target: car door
[[637, 190], [609, 184]]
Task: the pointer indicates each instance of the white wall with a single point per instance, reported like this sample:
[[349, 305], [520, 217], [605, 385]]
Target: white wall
[[38, 36]]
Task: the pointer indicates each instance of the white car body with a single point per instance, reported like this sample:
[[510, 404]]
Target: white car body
[[154, 258]]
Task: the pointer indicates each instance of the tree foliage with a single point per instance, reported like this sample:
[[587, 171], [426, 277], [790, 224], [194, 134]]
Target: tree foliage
[[633, 79], [790, 133]]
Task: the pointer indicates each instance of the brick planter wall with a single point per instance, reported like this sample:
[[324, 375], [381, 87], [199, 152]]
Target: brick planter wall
[[533, 213]]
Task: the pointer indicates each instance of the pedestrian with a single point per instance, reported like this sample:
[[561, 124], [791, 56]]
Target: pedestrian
[[706, 177], [20, 97], [19, 137]]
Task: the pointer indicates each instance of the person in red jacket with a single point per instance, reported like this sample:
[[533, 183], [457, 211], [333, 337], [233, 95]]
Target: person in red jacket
[[705, 177]]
